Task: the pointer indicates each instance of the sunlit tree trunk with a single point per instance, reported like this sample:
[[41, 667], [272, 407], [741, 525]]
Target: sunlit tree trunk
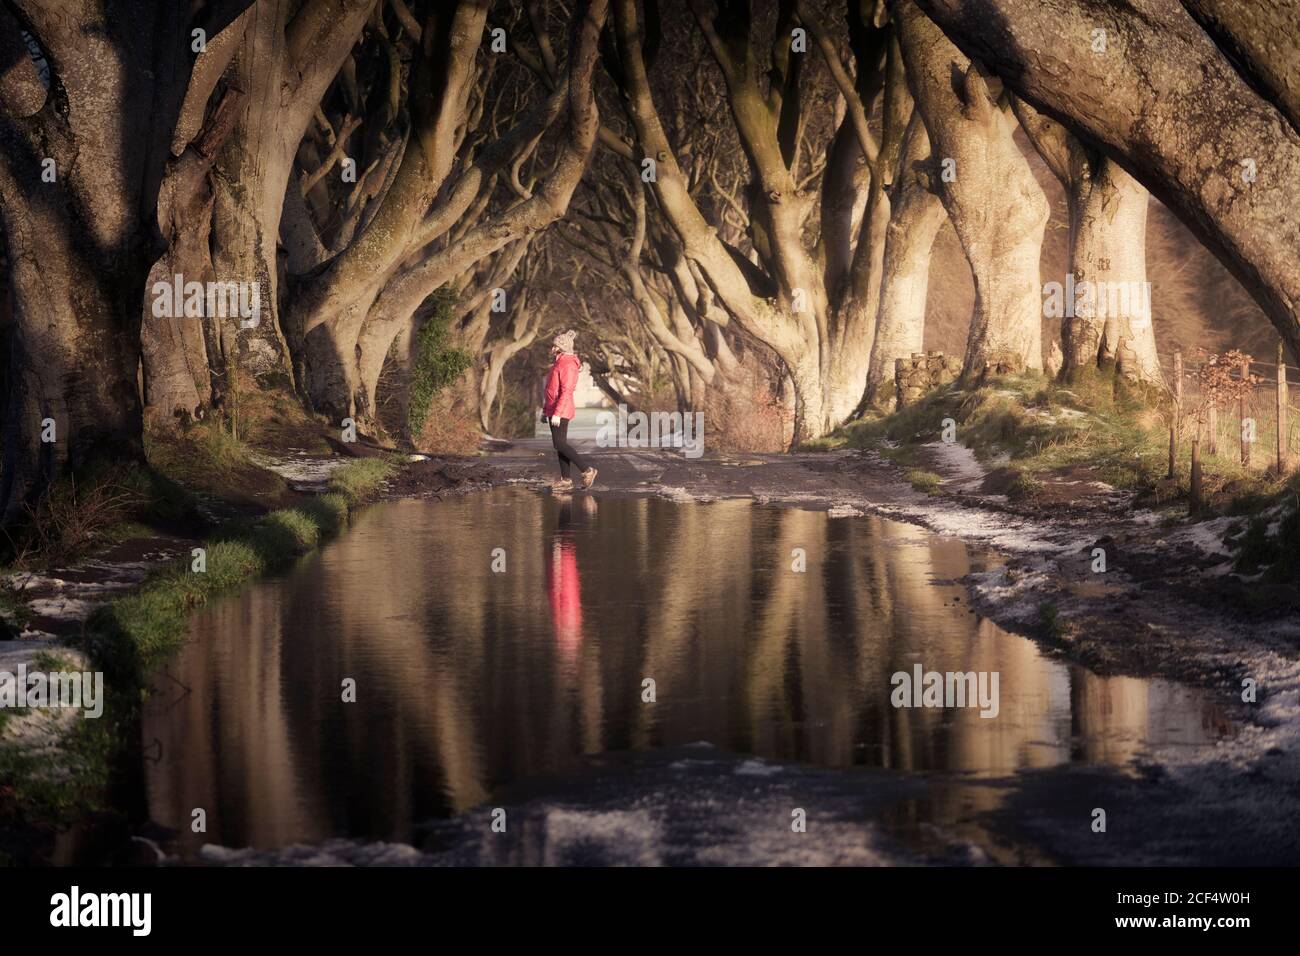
[[288, 56], [995, 203], [1111, 317], [917, 216], [1225, 160]]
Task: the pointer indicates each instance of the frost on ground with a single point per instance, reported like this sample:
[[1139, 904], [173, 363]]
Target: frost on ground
[[957, 465], [677, 807], [682, 496], [843, 511], [303, 471], [40, 732], [69, 595], [1208, 537], [997, 529]]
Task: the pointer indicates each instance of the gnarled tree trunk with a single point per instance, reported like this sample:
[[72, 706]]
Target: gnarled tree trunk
[[916, 217], [81, 155], [1106, 303], [288, 56], [1225, 158], [995, 203]]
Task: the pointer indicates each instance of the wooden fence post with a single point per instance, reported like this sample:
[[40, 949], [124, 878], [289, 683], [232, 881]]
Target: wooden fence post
[[1214, 430], [1177, 416], [1283, 452], [1196, 473], [1245, 445]]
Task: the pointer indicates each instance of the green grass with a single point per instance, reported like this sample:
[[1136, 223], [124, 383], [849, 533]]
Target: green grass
[[1277, 554], [52, 791], [13, 614], [1037, 424], [361, 478], [1036, 427], [99, 505], [1023, 487], [42, 789], [206, 455], [51, 661], [1051, 621], [138, 630], [923, 480]]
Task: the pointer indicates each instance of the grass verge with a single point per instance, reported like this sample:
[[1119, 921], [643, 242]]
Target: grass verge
[[41, 790], [138, 630], [923, 480], [1037, 427]]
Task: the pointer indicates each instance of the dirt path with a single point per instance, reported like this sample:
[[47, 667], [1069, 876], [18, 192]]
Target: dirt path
[[1166, 603]]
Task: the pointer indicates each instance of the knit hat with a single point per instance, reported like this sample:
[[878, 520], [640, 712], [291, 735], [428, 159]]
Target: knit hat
[[564, 340]]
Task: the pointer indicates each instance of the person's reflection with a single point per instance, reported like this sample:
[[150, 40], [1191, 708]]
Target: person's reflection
[[563, 586]]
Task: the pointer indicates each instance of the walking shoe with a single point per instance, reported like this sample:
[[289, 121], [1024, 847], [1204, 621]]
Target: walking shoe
[[564, 484], [588, 477]]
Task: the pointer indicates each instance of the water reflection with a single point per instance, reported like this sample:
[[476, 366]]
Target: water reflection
[[469, 678], [563, 587]]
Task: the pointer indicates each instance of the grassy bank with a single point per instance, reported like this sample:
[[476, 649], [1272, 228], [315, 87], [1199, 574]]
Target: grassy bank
[[1038, 429], [1031, 424], [53, 779], [1029, 432], [140, 629]]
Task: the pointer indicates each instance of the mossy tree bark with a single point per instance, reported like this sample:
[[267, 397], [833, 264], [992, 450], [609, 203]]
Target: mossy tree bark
[[88, 102]]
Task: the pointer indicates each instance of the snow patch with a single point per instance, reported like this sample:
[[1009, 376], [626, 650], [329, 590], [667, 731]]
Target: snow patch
[[956, 464], [1206, 536], [303, 471], [843, 511], [682, 496], [757, 768]]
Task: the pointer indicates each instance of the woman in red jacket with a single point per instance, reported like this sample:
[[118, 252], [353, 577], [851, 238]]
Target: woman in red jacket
[[558, 409]]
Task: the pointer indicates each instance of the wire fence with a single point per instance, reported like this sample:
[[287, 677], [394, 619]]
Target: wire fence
[[1248, 430]]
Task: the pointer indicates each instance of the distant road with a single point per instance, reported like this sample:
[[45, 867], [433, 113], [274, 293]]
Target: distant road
[[583, 425]]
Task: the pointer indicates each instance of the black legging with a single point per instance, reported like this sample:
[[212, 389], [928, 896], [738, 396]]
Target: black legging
[[560, 438]]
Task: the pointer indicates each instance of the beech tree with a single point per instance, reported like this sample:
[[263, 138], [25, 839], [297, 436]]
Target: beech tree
[[916, 215], [995, 203], [284, 62], [1109, 323], [184, 358], [90, 91], [412, 246], [1192, 99], [814, 307]]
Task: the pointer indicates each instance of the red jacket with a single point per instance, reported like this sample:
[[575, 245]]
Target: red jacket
[[565, 591], [560, 385]]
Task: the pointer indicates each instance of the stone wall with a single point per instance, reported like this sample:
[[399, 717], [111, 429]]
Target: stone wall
[[915, 376]]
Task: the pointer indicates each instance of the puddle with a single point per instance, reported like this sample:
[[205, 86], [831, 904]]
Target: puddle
[[471, 683]]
